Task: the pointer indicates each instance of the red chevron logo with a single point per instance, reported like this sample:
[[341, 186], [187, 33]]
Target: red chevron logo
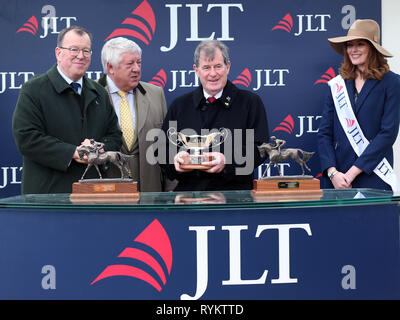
[[244, 78], [338, 88], [143, 32], [30, 26], [155, 237], [160, 79], [350, 122], [328, 75], [286, 125], [286, 23]]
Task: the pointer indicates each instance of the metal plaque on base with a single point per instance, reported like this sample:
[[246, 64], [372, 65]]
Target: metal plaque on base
[[289, 188], [105, 191]]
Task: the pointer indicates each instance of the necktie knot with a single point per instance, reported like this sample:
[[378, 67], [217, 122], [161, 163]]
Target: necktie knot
[[75, 86], [121, 93], [211, 99]]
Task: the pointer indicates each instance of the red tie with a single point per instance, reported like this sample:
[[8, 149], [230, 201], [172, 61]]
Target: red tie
[[211, 99]]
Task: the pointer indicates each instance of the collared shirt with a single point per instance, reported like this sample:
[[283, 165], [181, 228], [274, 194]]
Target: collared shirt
[[69, 81], [217, 96], [116, 98]]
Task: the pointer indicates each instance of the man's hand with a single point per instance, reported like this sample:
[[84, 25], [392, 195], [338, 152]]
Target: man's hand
[[75, 156], [217, 164], [86, 142], [181, 157]]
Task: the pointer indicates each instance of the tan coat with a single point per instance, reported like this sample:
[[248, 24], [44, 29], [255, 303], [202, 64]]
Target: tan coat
[[150, 108]]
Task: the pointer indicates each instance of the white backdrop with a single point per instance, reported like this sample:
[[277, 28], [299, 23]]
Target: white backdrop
[[391, 41]]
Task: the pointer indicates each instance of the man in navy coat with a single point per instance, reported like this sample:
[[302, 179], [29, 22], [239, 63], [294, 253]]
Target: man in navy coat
[[214, 105]]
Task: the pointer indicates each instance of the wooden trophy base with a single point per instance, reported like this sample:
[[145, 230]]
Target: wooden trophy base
[[194, 166], [195, 163], [117, 191], [291, 188]]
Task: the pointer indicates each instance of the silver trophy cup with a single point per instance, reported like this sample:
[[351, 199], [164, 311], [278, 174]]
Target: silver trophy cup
[[196, 145]]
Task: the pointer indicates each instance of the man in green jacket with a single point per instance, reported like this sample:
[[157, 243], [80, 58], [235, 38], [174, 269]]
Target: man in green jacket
[[58, 111]]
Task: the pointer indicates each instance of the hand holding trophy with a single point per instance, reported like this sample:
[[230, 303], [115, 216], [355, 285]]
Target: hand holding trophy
[[197, 146]]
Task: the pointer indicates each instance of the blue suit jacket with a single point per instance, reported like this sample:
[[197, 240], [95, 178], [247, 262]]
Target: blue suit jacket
[[378, 113]]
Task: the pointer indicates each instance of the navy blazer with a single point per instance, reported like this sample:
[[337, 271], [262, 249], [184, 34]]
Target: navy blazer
[[378, 113]]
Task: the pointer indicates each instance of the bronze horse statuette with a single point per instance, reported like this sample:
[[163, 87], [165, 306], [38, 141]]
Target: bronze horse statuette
[[98, 158], [277, 155]]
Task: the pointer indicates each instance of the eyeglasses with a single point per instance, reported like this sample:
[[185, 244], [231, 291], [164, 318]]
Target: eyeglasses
[[75, 52]]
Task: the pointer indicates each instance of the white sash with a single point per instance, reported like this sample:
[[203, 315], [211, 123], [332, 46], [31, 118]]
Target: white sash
[[353, 131]]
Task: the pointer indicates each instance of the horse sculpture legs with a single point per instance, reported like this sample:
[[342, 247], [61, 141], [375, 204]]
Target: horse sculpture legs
[[266, 169], [87, 168], [117, 158], [120, 169], [302, 164]]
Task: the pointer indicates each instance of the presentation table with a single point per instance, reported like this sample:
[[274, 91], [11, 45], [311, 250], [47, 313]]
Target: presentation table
[[232, 245]]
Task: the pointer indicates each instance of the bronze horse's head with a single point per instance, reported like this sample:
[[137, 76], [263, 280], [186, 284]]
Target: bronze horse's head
[[264, 149], [82, 150]]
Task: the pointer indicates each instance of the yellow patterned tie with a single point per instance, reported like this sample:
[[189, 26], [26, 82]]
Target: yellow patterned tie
[[128, 131]]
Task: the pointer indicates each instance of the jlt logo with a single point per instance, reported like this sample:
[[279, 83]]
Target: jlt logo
[[307, 124], [195, 11], [14, 80], [355, 133], [314, 22], [11, 175], [306, 23], [235, 261], [156, 238], [51, 23], [144, 12], [264, 78], [153, 237]]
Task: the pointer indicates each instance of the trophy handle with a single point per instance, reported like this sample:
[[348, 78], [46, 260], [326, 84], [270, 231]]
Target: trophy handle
[[219, 137], [176, 137]]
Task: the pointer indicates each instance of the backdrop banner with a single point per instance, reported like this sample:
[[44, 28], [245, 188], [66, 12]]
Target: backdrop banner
[[278, 49], [343, 252]]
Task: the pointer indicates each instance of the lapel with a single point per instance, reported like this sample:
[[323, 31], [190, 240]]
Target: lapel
[[142, 106], [103, 82], [57, 80], [366, 89], [89, 91], [89, 94], [350, 86]]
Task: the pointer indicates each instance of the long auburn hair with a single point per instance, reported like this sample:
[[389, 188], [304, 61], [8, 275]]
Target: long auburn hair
[[376, 65]]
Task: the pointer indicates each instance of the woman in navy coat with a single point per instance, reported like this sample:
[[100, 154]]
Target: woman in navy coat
[[374, 94]]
